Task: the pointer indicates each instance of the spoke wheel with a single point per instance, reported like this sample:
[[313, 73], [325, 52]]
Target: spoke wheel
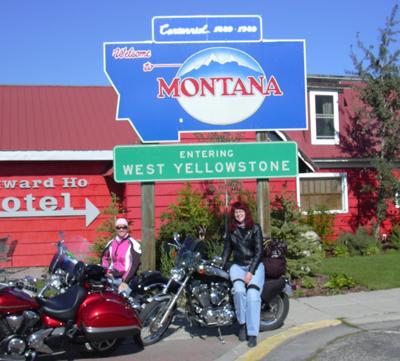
[[103, 347], [274, 314], [151, 316]]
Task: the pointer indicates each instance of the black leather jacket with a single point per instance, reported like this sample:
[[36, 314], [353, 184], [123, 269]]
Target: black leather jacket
[[247, 249]]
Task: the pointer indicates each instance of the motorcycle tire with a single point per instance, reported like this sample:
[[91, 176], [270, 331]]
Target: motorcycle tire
[[274, 313], [102, 348], [151, 331]]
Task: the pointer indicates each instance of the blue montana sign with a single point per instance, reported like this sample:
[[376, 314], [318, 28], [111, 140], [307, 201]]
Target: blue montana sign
[[206, 28], [169, 88]]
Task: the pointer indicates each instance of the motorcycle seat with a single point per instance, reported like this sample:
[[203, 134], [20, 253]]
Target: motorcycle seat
[[63, 307]]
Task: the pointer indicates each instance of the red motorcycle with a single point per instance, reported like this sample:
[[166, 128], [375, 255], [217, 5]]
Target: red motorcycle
[[89, 314]]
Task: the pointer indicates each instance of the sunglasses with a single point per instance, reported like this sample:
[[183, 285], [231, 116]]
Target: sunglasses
[[121, 227]]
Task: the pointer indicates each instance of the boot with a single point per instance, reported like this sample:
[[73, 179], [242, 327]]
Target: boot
[[252, 341], [242, 332]]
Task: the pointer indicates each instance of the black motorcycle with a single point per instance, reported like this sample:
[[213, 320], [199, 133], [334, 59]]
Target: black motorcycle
[[208, 296]]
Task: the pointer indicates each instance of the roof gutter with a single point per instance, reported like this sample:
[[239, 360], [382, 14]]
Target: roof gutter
[[56, 155]]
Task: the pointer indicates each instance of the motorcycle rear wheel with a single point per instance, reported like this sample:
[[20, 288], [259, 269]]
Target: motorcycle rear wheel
[[274, 314], [102, 348], [150, 317]]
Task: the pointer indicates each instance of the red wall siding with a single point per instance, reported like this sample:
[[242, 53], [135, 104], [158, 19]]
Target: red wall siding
[[361, 205], [166, 193], [36, 235]]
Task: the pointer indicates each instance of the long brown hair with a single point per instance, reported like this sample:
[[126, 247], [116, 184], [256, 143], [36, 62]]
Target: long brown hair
[[248, 220]]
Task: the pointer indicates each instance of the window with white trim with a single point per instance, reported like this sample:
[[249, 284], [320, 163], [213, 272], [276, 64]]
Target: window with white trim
[[328, 190], [397, 200], [324, 117]]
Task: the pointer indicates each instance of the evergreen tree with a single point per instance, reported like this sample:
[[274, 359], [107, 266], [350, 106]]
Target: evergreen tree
[[378, 121], [304, 252]]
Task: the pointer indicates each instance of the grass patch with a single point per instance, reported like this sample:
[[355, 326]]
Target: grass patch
[[374, 272]]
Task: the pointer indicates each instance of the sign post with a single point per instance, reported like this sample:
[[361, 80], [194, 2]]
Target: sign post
[[207, 74], [263, 197]]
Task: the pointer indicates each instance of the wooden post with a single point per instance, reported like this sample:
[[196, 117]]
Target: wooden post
[[263, 197], [148, 230]]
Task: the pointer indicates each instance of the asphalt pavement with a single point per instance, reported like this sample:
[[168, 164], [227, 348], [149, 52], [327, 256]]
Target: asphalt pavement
[[321, 318]]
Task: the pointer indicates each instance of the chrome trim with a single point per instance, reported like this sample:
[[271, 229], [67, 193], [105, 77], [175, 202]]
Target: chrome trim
[[97, 330]]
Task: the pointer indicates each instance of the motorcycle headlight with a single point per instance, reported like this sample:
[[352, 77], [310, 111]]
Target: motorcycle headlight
[[177, 274]]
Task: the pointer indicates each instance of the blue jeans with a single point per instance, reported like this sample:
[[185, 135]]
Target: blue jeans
[[247, 299]]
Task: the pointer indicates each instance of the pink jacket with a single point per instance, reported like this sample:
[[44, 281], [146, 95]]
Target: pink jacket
[[122, 257]]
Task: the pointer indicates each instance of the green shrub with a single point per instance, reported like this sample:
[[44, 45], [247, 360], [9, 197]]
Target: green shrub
[[372, 249], [360, 243], [395, 237], [340, 250], [106, 229], [304, 250], [321, 221], [308, 282], [340, 281], [185, 218]]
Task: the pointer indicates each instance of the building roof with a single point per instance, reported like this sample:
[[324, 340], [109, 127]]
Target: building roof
[[47, 121]]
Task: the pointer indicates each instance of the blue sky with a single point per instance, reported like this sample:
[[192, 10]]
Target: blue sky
[[59, 42]]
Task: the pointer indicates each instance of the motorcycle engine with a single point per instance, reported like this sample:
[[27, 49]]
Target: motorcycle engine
[[15, 332], [12, 341], [211, 304]]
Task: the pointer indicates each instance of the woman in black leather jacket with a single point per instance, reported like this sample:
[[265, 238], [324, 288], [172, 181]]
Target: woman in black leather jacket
[[245, 240]]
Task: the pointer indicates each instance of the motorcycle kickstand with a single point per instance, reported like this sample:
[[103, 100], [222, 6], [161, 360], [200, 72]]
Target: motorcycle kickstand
[[220, 338]]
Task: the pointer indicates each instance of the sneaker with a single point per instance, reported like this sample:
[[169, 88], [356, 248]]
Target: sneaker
[[252, 341], [242, 332]]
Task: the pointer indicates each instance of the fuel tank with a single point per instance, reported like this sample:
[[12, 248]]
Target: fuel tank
[[107, 315], [13, 300]]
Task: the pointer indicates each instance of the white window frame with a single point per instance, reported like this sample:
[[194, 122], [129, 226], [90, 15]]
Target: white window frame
[[397, 200], [313, 119], [345, 196]]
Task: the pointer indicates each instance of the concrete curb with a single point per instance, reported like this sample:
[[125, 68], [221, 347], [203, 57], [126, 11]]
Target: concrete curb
[[267, 345]]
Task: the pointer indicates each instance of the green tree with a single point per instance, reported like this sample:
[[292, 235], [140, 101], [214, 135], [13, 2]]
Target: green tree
[[191, 210], [106, 229], [304, 250], [378, 120]]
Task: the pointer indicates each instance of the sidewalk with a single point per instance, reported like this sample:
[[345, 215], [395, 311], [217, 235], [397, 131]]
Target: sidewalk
[[313, 313], [305, 315]]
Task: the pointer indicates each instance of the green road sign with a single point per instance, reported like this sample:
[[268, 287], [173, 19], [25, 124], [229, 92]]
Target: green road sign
[[148, 163]]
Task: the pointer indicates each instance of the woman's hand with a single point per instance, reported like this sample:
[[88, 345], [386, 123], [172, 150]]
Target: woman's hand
[[123, 287], [248, 277]]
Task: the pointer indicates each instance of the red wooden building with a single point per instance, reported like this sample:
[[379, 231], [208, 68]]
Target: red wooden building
[[56, 158]]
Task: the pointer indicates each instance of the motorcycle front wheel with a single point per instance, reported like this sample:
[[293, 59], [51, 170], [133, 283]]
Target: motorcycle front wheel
[[274, 313], [152, 331]]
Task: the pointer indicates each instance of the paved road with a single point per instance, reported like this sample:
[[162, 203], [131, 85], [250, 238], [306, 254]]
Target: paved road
[[346, 342]]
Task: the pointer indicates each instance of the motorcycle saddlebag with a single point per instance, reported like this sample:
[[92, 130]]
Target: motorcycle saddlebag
[[272, 287], [106, 315]]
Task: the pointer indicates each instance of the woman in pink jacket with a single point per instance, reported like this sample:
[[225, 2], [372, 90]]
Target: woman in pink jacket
[[121, 255]]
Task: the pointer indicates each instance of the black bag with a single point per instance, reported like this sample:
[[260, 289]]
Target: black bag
[[274, 258]]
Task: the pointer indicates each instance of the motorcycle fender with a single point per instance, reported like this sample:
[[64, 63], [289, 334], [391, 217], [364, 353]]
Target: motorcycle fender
[[107, 315], [13, 300]]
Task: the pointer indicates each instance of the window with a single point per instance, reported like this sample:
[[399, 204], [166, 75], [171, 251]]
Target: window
[[323, 189], [397, 200], [324, 117]]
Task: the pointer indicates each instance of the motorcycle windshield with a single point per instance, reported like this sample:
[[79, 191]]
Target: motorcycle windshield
[[187, 254], [63, 259]]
